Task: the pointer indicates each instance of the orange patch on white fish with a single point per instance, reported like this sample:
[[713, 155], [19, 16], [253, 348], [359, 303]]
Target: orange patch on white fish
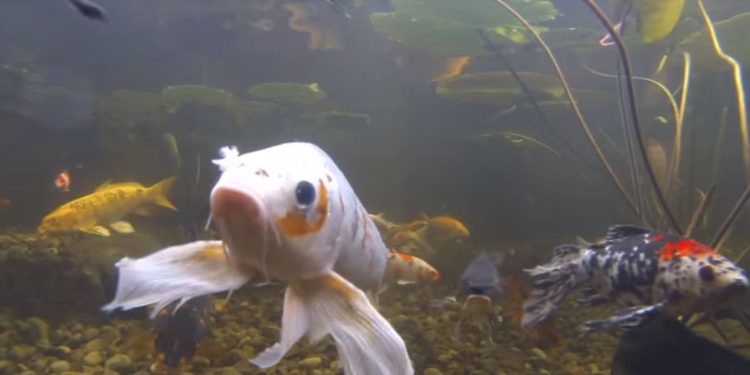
[[295, 223], [62, 181]]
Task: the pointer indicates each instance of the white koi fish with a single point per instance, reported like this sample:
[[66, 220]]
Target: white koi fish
[[288, 212]]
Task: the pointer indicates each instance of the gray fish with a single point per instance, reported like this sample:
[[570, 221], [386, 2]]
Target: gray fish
[[481, 276], [89, 9]]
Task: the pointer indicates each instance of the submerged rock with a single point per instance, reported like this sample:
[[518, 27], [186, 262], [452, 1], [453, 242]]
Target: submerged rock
[[74, 279]]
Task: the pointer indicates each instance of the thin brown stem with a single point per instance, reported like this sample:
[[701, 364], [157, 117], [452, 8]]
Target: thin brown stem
[[589, 135], [737, 73], [634, 112], [700, 210], [729, 221], [674, 165]]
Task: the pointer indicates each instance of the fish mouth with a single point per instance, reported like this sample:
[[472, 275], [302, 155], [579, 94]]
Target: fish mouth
[[245, 226], [738, 287]]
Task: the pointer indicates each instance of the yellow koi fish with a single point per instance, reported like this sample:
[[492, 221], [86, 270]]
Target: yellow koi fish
[[107, 205], [288, 212], [446, 228]]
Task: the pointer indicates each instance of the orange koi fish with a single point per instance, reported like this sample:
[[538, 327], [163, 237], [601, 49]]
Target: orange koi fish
[[62, 181]]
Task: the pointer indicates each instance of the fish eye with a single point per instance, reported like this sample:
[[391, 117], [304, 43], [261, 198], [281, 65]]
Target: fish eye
[[305, 193], [706, 273]]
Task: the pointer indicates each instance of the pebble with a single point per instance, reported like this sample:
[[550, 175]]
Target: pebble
[[58, 367], [90, 333], [21, 352], [119, 362], [539, 353], [93, 358], [95, 344], [41, 327], [310, 362]]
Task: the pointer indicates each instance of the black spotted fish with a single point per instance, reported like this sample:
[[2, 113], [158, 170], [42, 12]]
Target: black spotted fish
[[288, 213], [660, 274]]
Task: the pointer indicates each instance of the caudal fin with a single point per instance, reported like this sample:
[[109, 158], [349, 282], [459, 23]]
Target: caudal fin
[[177, 273], [367, 344], [159, 191], [552, 282]]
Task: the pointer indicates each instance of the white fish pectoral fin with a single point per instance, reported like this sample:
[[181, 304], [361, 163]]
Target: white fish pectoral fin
[[366, 342], [176, 273], [295, 322], [97, 230], [122, 227]]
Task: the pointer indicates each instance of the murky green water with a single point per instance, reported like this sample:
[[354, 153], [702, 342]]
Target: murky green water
[[430, 108]]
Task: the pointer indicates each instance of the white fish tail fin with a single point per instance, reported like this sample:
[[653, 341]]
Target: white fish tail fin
[[367, 344], [176, 273], [159, 192], [295, 322], [554, 281]]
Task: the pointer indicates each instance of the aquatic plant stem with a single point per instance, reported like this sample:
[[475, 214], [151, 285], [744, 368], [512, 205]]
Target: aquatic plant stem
[[634, 112], [729, 221], [700, 210], [674, 165], [719, 144], [547, 128], [634, 177], [737, 73], [569, 95]]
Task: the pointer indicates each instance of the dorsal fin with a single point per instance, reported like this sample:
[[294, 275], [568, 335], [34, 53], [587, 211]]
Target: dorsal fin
[[104, 185], [617, 233], [109, 185]]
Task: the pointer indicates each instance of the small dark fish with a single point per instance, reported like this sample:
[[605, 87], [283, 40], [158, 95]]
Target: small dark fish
[[89, 9], [178, 332], [665, 346], [481, 276]]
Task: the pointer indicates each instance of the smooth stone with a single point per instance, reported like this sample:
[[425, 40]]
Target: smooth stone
[[539, 353], [118, 362], [59, 366], [95, 344], [310, 362], [93, 358], [90, 333]]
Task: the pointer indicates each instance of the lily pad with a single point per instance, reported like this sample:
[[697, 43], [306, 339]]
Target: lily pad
[[658, 18], [127, 109], [449, 28], [179, 95], [336, 119], [732, 34], [478, 13], [257, 108], [288, 93], [498, 87], [443, 37]]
